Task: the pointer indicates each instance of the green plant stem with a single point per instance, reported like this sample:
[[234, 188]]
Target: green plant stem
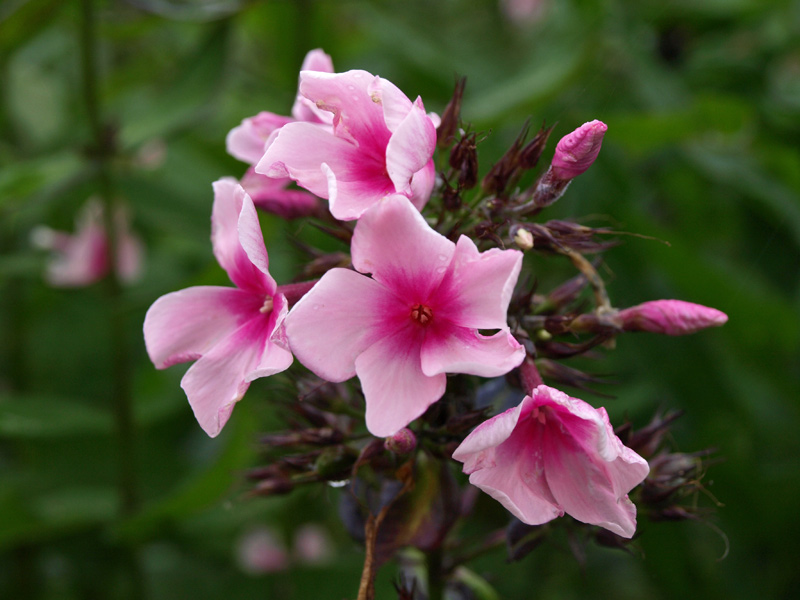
[[434, 567], [101, 152]]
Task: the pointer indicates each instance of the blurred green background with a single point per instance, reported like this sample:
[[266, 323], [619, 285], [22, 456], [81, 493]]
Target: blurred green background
[[702, 103]]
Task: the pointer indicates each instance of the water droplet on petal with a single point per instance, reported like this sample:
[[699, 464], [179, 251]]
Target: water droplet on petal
[[315, 307], [442, 257]]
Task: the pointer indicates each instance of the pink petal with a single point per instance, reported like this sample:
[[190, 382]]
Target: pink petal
[[478, 287], [271, 195], [394, 242], [342, 315], [229, 198], [184, 325], [395, 388], [422, 185], [252, 242], [304, 109], [276, 357], [581, 486], [410, 148], [216, 382], [356, 117], [461, 350], [299, 150], [477, 449], [246, 142], [670, 317], [395, 103]]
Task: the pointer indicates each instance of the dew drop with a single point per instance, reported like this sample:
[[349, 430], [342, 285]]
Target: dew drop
[[442, 257], [441, 269], [315, 307]]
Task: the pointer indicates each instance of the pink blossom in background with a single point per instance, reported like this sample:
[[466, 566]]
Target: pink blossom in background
[[551, 455], [235, 334], [670, 317], [524, 11], [576, 151], [82, 258], [312, 545], [248, 141], [416, 319], [260, 551], [381, 144]]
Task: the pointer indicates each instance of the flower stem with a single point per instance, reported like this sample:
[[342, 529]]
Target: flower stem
[[101, 151]]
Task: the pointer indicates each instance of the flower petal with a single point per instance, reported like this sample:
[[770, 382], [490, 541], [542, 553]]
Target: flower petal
[[410, 148], [246, 142], [394, 242], [580, 484], [276, 357], [477, 449], [339, 318], [304, 109], [251, 240], [298, 151], [422, 185], [216, 382], [356, 116], [396, 390], [184, 325], [460, 350], [229, 198], [271, 195], [479, 285]]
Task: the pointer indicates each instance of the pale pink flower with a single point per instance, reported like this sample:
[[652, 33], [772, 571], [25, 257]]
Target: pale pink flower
[[576, 151], [247, 142], [671, 317], [82, 258], [312, 545], [416, 319], [260, 551], [552, 455], [381, 144], [235, 334]]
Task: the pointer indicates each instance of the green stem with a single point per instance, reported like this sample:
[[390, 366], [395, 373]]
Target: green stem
[[435, 575], [101, 152]]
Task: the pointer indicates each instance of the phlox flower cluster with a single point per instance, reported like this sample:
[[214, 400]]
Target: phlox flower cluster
[[414, 302]]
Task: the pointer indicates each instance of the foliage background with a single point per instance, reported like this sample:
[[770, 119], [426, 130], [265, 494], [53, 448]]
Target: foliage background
[[702, 101]]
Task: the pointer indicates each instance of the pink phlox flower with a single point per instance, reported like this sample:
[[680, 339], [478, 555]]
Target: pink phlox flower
[[416, 319], [235, 334], [381, 144], [670, 317], [248, 141], [82, 258], [576, 151], [551, 455]]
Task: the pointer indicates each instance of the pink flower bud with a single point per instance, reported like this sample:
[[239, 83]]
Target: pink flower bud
[[402, 442], [576, 151], [671, 317]]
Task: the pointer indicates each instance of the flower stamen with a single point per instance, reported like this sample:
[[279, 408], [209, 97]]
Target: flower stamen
[[421, 313], [267, 307]]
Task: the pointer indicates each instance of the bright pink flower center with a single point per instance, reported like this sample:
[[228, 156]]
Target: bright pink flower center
[[422, 314], [540, 414]]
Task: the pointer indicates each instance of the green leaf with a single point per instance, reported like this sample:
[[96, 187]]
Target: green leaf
[[26, 417]]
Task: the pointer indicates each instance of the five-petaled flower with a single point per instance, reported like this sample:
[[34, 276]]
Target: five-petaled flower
[[551, 455], [235, 333], [381, 144], [416, 319]]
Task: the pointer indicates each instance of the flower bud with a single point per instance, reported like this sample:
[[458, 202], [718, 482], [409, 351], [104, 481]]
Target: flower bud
[[670, 317], [450, 117], [402, 442], [464, 158], [524, 239], [577, 151], [530, 154]]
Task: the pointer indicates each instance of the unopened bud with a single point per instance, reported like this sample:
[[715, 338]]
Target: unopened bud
[[577, 151], [402, 442], [464, 159], [450, 117], [523, 239], [496, 180], [670, 317], [530, 154]]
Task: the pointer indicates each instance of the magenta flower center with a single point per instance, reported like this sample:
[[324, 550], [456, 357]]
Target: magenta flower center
[[540, 414], [421, 313]]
